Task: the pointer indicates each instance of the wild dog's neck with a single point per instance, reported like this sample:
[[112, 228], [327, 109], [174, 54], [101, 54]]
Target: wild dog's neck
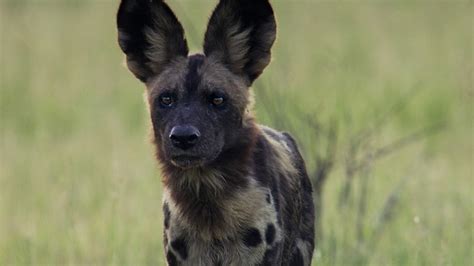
[[199, 193]]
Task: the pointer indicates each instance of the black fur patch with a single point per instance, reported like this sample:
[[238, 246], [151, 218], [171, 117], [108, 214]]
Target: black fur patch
[[269, 199], [180, 246], [307, 226], [270, 257], [192, 77], [252, 237], [167, 215], [297, 258], [270, 234], [171, 259]]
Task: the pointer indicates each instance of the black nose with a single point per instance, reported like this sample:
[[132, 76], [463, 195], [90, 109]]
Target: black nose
[[184, 137]]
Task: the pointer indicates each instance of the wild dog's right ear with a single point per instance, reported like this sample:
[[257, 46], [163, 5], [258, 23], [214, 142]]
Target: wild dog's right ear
[[240, 34], [150, 35]]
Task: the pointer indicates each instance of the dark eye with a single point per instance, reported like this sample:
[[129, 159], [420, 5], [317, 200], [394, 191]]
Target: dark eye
[[167, 100], [217, 99]]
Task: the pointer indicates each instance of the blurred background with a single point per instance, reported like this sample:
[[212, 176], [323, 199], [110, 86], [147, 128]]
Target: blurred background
[[379, 95]]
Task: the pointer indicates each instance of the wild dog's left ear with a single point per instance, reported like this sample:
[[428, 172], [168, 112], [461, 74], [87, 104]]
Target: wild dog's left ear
[[240, 34]]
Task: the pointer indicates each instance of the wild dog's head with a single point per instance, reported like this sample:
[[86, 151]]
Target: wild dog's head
[[198, 103]]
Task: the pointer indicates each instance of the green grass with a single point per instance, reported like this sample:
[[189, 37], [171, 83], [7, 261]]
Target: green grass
[[78, 182]]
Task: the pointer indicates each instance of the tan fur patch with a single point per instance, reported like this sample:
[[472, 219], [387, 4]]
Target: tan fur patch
[[237, 47], [160, 52], [157, 53], [283, 159], [239, 211], [194, 179]]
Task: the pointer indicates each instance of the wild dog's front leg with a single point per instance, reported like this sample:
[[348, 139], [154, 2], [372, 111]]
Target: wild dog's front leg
[[170, 256]]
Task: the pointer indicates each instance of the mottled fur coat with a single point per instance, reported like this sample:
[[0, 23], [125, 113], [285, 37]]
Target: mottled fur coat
[[235, 192]]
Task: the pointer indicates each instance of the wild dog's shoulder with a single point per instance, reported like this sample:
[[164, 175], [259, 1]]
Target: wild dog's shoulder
[[277, 147], [292, 151], [273, 135], [287, 140]]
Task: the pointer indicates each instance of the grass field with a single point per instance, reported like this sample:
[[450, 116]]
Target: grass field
[[78, 183]]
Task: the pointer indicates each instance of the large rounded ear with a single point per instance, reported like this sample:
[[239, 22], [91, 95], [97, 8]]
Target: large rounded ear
[[240, 34], [150, 35]]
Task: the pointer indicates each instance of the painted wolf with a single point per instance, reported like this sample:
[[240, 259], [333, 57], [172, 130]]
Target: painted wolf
[[235, 192]]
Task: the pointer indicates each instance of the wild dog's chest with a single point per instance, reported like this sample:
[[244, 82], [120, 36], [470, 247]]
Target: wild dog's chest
[[250, 249], [251, 232]]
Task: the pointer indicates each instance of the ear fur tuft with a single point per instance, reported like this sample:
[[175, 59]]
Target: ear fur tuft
[[150, 35], [240, 34]]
